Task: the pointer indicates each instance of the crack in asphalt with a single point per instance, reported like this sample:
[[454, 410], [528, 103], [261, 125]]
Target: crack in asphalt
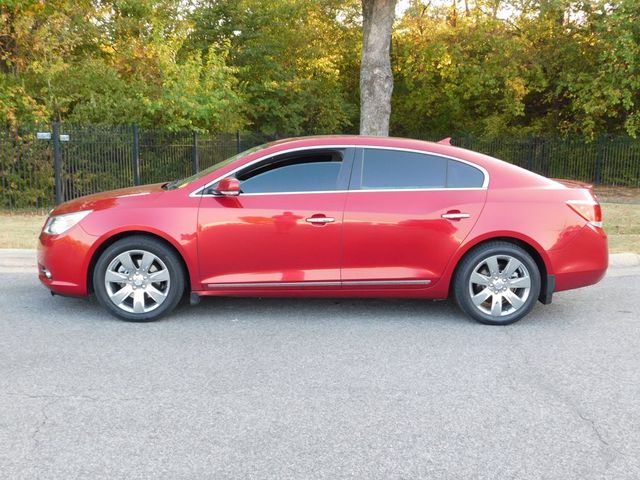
[[564, 397], [53, 399], [38, 428], [71, 397]]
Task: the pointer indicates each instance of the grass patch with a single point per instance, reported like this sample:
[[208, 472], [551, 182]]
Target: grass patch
[[621, 222], [20, 230]]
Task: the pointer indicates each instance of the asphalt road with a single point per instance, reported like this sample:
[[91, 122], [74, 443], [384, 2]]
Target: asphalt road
[[305, 389]]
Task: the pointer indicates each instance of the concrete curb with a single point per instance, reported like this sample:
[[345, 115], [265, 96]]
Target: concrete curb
[[15, 259], [621, 260]]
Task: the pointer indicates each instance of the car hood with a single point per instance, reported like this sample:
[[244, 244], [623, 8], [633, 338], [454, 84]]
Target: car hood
[[109, 199]]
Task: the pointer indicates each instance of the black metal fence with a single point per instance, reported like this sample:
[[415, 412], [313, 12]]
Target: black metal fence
[[41, 167]]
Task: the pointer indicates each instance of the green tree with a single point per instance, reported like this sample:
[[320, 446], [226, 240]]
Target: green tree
[[290, 56]]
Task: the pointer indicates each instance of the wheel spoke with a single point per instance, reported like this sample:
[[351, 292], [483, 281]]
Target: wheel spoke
[[160, 276], [523, 282], [138, 301], [479, 279], [481, 296], [115, 277], [513, 299], [496, 305], [156, 294], [121, 295], [147, 260], [126, 261], [511, 267], [492, 263]]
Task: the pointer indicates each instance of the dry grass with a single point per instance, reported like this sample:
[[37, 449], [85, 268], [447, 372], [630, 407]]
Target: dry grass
[[622, 224], [621, 221], [20, 230], [618, 194]]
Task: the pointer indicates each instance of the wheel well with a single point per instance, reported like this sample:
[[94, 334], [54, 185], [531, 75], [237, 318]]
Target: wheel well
[[524, 245], [111, 240]]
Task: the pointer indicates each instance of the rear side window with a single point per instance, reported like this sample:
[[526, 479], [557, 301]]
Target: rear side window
[[463, 175], [396, 170]]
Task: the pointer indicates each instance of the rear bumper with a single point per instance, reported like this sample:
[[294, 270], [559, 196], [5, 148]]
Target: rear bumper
[[582, 262], [66, 258]]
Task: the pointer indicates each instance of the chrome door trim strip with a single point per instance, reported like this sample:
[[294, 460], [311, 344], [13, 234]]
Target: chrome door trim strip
[[273, 284], [359, 283], [348, 283], [485, 184]]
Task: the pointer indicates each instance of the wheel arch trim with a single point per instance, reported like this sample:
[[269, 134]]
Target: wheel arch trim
[[530, 245], [109, 238]]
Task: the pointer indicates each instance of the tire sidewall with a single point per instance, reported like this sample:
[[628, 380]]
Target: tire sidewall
[[461, 282], [164, 253]]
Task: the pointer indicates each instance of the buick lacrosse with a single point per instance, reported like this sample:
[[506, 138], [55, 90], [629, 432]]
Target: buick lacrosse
[[333, 216]]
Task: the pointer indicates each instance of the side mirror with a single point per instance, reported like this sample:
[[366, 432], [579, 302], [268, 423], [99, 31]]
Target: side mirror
[[229, 187]]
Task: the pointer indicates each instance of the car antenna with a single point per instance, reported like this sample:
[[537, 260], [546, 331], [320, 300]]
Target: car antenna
[[445, 141]]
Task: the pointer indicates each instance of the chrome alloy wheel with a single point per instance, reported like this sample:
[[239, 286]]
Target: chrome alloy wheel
[[499, 285], [137, 281]]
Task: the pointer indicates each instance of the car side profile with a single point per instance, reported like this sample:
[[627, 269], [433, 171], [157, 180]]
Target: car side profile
[[332, 216]]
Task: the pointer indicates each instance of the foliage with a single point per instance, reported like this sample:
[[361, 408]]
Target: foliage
[[114, 62], [487, 67]]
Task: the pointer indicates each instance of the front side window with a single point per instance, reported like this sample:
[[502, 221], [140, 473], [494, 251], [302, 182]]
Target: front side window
[[384, 169], [301, 173]]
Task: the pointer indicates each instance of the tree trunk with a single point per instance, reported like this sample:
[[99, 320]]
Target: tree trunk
[[376, 79]]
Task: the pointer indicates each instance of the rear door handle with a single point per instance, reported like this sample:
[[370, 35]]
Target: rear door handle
[[455, 215], [320, 220]]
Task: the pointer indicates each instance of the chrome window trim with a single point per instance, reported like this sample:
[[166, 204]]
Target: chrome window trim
[[348, 283], [485, 184]]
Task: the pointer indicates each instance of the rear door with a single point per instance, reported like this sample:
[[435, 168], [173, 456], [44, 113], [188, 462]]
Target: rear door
[[406, 214]]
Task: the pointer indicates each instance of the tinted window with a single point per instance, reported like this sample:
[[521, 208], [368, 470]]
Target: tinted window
[[461, 175], [293, 175], [393, 169]]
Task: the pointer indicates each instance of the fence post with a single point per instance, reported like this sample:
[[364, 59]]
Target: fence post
[[532, 152], [599, 160], [238, 142], [136, 155], [57, 163], [195, 162]]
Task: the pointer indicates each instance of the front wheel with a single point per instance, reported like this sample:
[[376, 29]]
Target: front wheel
[[138, 279], [497, 283]]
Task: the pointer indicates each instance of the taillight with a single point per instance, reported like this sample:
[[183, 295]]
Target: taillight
[[589, 210]]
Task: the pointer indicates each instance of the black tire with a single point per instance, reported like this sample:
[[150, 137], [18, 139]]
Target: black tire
[[165, 259], [499, 285]]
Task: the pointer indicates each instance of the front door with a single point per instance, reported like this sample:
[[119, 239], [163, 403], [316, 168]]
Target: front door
[[283, 230], [406, 215]]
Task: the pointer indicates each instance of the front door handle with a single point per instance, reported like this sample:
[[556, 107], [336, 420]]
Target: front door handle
[[455, 215], [320, 220]]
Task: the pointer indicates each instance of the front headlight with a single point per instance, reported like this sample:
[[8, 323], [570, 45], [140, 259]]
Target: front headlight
[[58, 224]]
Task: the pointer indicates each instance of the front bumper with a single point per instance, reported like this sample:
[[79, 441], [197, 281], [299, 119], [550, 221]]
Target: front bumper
[[66, 258]]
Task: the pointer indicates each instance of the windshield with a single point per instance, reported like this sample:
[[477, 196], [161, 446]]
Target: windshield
[[186, 181]]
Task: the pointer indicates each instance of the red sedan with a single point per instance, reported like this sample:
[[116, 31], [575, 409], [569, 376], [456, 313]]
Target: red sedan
[[335, 216]]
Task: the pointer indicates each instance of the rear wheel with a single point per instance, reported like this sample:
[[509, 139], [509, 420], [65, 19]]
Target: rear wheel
[[138, 279], [497, 283]]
